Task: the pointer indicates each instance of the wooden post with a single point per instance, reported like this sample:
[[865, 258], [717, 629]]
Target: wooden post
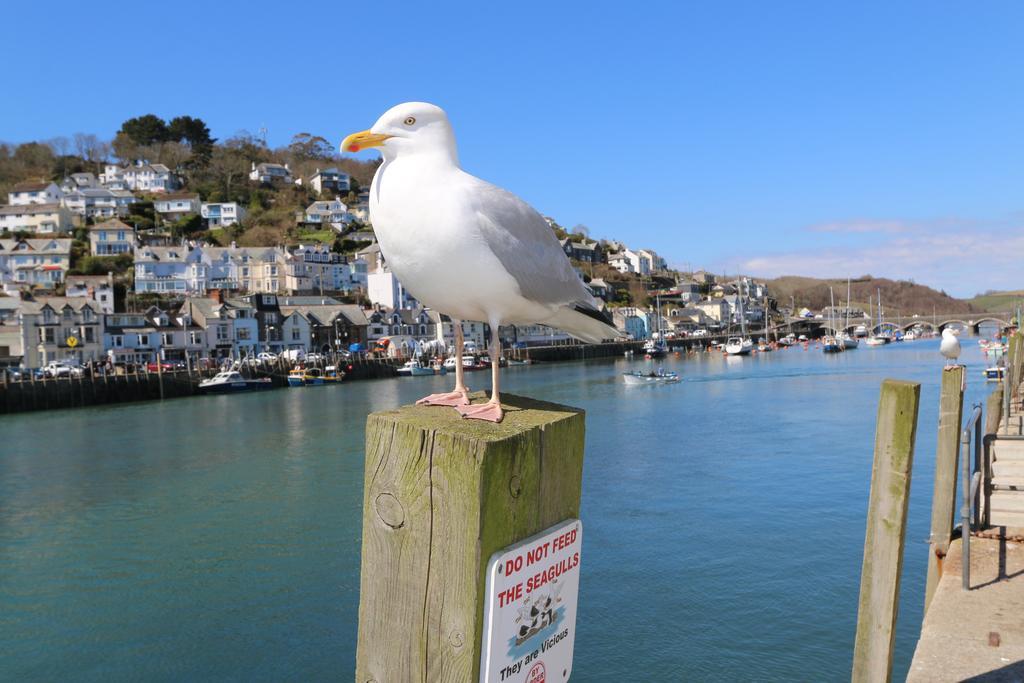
[[947, 448], [441, 495], [886, 529]]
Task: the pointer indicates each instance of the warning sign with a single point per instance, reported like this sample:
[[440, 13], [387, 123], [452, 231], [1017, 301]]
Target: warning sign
[[530, 613]]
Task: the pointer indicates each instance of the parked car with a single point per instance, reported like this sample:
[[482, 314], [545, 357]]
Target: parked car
[[314, 358], [62, 368], [164, 366], [293, 354], [267, 356]]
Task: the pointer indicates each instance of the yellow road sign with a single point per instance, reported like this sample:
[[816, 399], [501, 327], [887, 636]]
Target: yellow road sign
[[72, 341]]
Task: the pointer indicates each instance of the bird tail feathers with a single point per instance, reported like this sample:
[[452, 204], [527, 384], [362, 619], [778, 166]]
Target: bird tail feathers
[[586, 323]]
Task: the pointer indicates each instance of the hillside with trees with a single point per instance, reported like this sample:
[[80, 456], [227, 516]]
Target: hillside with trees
[[903, 296]]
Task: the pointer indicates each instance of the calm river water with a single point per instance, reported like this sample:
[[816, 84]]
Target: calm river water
[[218, 537]]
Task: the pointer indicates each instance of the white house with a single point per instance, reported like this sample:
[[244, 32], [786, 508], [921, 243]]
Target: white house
[[270, 173], [42, 262], [621, 263], [111, 238], [140, 177], [40, 219], [330, 180], [222, 214], [332, 212], [656, 263], [34, 192], [172, 207], [93, 202]]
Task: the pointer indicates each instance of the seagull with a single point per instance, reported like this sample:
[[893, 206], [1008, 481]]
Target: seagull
[[465, 247], [950, 347]]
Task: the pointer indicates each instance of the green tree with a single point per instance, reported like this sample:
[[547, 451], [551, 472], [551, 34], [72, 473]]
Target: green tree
[[147, 129], [196, 133], [187, 226]]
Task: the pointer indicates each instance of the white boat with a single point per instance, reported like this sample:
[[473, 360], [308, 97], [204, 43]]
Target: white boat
[[738, 346], [413, 368], [659, 377], [860, 331], [831, 343], [876, 341], [849, 342], [230, 381]]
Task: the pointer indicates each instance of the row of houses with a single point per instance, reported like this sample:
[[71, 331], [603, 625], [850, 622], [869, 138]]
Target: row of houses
[[217, 326], [641, 262]]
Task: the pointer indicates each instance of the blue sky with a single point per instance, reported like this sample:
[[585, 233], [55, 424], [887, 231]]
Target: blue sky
[[773, 138]]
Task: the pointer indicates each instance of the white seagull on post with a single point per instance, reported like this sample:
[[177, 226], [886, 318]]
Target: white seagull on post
[[950, 347], [467, 248]]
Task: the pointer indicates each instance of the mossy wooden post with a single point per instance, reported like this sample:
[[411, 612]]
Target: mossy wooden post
[[947, 448], [441, 495], [886, 529]]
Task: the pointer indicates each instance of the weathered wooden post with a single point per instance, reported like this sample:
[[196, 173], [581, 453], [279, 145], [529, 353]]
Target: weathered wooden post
[[947, 448], [441, 495], [886, 530]]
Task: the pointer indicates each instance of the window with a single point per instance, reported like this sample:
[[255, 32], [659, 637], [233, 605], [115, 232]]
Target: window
[[103, 236], [89, 335], [47, 313], [143, 340], [243, 333], [67, 313], [296, 334], [167, 338], [46, 335], [117, 341], [222, 333], [120, 235], [195, 338]]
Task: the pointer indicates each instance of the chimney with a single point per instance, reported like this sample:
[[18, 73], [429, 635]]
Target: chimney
[[216, 295]]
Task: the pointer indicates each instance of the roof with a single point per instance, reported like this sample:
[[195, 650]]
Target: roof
[[327, 314], [176, 195], [77, 303], [112, 224], [88, 279], [62, 245], [29, 208], [31, 186]]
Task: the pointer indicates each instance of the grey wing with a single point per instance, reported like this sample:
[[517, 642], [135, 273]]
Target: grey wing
[[527, 247]]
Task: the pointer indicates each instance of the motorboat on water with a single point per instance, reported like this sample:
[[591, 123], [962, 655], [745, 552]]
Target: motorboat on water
[[413, 368], [469, 363], [738, 346], [860, 331], [305, 377], [230, 381], [849, 342], [660, 376], [876, 341], [832, 344], [788, 340]]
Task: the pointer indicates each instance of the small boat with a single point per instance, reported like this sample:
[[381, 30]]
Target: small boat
[[655, 348], [305, 377], [230, 381], [860, 331], [652, 377], [849, 342], [525, 361], [994, 373], [832, 344], [332, 375], [876, 341], [413, 368], [468, 364], [788, 340], [735, 346]]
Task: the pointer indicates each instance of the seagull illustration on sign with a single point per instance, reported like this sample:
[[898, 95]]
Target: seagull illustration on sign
[[467, 248]]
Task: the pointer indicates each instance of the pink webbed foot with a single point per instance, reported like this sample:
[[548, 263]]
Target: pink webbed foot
[[451, 398], [491, 412]]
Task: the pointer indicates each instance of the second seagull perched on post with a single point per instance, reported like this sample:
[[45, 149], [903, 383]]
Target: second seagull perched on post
[[465, 247]]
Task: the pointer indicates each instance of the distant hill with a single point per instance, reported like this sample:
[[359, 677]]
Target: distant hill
[[997, 301], [903, 296]]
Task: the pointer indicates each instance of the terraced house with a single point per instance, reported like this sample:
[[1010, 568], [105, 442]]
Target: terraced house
[[59, 328], [40, 219], [111, 238], [41, 262]]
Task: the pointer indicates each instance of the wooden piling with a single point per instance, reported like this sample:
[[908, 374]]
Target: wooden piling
[[886, 530], [947, 448], [441, 495]]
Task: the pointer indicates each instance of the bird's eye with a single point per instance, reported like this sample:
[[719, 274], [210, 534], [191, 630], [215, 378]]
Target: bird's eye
[[409, 120]]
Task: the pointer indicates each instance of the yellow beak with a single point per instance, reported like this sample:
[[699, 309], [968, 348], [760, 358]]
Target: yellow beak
[[363, 140]]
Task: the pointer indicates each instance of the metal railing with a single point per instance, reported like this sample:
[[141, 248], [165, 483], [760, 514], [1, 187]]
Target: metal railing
[[970, 440]]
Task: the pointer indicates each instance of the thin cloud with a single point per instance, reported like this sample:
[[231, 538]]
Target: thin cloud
[[963, 262], [861, 226]]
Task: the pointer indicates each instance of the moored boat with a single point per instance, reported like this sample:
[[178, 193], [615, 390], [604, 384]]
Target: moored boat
[[413, 368], [994, 373], [737, 346], [230, 381]]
